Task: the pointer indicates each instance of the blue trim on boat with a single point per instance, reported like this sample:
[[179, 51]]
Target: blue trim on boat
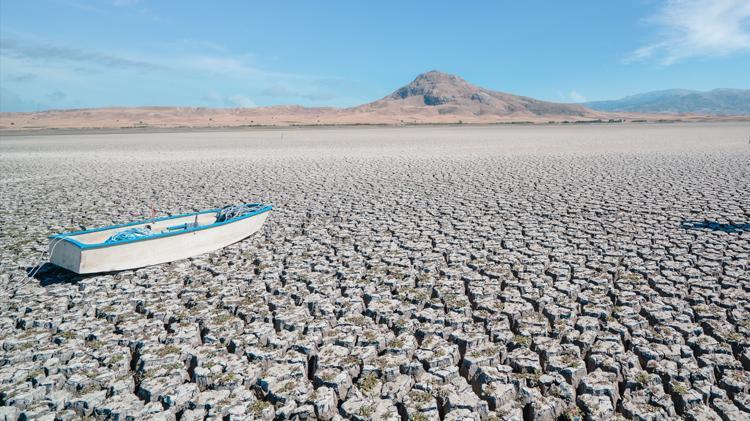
[[68, 235]]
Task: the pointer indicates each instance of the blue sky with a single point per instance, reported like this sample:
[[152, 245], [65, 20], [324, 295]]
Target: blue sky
[[85, 53]]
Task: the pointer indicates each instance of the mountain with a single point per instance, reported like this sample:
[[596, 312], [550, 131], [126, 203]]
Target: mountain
[[439, 94], [681, 101], [431, 98]]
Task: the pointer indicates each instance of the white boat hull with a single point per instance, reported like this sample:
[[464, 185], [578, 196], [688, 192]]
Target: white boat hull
[[151, 251]]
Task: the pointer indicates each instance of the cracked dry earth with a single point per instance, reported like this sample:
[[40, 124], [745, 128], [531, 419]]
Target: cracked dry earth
[[445, 273]]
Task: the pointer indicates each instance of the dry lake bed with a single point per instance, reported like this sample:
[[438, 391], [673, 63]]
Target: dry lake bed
[[424, 273]]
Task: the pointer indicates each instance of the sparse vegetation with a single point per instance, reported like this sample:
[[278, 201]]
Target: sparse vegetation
[[368, 383], [256, 408], [67, 335], [573, 413], [167, 350], [522, 340], [418, 416], [642, 379], [421, 397], [221, 319], [359, 320], [95, 344], [36, 373], [288, 387], [367, 410], [116, 359], [680, 388], [172, 366]]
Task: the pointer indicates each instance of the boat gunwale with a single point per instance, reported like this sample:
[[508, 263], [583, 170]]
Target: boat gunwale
[[68, 236]]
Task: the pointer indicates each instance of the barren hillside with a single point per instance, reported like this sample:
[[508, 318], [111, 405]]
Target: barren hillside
[[431, 98]]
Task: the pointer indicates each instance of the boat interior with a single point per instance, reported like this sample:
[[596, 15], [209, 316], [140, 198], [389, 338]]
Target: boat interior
[[159, 226]]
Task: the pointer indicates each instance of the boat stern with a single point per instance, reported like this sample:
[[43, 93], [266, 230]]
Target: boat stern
[[66, 255]]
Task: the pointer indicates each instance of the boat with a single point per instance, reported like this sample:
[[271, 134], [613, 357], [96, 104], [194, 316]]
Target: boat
[[154, 241]]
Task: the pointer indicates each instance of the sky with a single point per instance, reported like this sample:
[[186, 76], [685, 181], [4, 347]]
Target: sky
[[57, 54]]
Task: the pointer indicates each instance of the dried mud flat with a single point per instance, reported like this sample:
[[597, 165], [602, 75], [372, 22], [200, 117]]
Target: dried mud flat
[[413, 273]]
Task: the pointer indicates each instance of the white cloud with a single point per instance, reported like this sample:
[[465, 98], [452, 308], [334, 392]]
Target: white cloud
[[78, 5], [190, 45], [280, 91], [220, 65], [211, 96], [240, 101], [698, 28], [35, 67], [10, 102], [230, 65], [122, 3], [577, 97], [217, 99], [239, 66], [47, 52]]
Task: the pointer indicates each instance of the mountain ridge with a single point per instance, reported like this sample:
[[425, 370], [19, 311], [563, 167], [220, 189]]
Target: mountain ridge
[[719, 101], [431, 98]]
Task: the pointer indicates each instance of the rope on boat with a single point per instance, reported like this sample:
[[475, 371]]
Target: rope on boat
[[129, 234], [42, 260], [225, 214], [233, 211]]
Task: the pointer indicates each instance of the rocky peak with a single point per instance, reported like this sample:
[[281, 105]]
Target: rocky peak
[[437, 88], [447, 94]]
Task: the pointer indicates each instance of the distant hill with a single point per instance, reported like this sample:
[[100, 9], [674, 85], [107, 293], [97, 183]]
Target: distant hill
[[681, 101], [431, 98], [444, 94]]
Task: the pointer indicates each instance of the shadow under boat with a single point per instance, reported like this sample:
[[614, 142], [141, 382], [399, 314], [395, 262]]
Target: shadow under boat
[[714, 226], [50, 274]]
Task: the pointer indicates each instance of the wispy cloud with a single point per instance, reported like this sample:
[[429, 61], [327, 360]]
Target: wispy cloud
[[191, 45], [50, 52], [131, 7], [10, 102], [35, 67], [235, 100], [278, 91], [220, 65], [240, 101], [57, 96], [78, 5], [320, 96], [577, 97], [213, 62], [697, 28], [23, 77]]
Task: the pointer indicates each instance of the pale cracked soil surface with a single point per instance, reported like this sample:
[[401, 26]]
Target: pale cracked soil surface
[[406, 273]]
